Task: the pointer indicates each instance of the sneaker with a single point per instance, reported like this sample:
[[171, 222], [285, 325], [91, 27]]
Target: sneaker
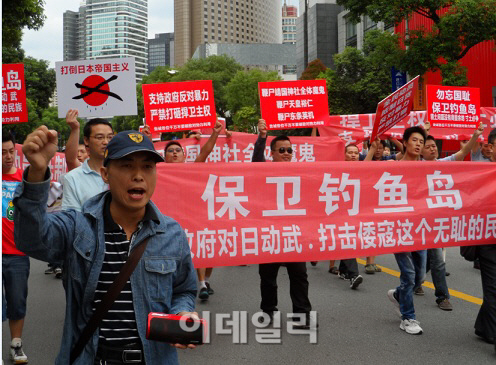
[[17, 355], [419, 291], [411, 326], [49, 271], [58, 272], [444, 304], [342, 276], [393, 300], [369, 269], [376, 268], [354, 282], [210, 290], [203, 293]]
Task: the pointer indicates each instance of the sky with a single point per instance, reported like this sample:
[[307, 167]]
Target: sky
[[47, 43]]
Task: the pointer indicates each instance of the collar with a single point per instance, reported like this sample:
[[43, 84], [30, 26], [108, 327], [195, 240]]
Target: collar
[[111, 226], [87, 169]]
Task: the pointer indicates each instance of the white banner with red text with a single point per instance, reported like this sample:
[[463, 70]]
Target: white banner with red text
[[290, 212]]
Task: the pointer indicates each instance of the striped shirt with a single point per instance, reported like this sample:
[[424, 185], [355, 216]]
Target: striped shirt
[[118, 327]]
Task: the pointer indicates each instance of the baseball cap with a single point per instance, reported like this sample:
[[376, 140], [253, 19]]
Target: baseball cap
[[127, 142]]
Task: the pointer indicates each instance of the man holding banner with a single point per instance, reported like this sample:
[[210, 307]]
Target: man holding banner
[[281, 151]]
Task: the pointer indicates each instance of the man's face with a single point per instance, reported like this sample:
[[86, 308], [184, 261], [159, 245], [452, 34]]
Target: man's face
[[82, 154], [281, 153], [100, 136], [430, 152], [493, 152], [8, 152], [414, 145], [378, 152], [386, 152], [486, 149], [131, 180], [174, 154], [351, 153]]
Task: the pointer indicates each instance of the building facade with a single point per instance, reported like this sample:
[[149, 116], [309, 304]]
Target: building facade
[[161, 51], [199, 22], [289, 18], [104, 29]]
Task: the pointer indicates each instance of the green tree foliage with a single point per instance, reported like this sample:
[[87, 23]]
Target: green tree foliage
[[458, 25], [361, 78], [313, 70]]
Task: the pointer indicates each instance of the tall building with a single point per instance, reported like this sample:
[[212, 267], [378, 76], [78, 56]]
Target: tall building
[[317, 32], [289, 17], [160, 51], [199, 22], [105, 29]]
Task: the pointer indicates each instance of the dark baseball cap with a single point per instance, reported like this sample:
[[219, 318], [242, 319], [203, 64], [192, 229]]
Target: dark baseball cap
[[127, 142]]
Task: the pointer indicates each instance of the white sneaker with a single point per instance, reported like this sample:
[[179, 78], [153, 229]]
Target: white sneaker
[[17, 355], [394, 301], [411, 326]]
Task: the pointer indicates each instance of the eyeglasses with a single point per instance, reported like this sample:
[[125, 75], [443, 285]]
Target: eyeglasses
[[101, 137], [176, 150], [284, 149]]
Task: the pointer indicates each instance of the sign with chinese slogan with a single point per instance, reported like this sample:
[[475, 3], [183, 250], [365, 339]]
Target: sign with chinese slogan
[[14, 109], [264, 212], [179, 106], [97, 88], [453, 106], [394, 108], [293, 104], [57, 164]]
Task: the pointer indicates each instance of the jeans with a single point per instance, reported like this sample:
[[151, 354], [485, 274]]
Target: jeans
[[412, 266], [15, 273], [438, 272]]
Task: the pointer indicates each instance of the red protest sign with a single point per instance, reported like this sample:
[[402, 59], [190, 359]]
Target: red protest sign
[[293, 104], [453, 106], [178, 106], [394, 108], [14, 108]]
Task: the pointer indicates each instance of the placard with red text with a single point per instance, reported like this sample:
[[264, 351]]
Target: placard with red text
[[14, 109]]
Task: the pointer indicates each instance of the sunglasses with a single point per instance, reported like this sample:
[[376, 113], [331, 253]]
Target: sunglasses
[[284, 149]]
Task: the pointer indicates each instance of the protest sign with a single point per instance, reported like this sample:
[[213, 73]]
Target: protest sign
[[394, 108], [293, 104], [14, 108], [179, 106], [97, 88], [295, 212], [57, 164], [453, 106]]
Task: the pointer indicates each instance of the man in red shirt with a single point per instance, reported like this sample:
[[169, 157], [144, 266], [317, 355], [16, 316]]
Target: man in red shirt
[[15, 264]]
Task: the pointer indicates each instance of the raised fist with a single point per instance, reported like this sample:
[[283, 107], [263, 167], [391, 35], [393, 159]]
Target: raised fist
[[39, 148], [71, 118], [262, 128]]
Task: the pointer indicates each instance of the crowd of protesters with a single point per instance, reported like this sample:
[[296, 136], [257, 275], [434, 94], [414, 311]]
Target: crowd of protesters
[[88, 223]]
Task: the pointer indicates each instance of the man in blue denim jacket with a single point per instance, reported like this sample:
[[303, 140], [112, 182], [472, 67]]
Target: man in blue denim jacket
[[164, 279]]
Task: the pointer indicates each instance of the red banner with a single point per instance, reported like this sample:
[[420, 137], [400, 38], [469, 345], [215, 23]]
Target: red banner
[[355, 128], [394, 108], [282, 212], [453, 106], [293, 104], [57, 164], [14, 108], [178, 106], [239, 148]]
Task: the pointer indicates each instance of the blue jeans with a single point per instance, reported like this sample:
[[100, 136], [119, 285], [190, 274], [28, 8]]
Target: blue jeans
[[412, 267], [438, 272], [15, 273]]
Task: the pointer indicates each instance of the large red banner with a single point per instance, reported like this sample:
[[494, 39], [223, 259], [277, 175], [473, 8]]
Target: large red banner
[[453, 106], [178, 106], [293, 104], [281, 212], [14, 108], [57, 164]]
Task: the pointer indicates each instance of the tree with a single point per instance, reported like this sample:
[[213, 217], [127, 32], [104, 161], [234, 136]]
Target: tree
[[458, 25], [313, 70]]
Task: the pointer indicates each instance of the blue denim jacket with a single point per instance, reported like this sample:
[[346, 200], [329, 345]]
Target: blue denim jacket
[[163, 281]]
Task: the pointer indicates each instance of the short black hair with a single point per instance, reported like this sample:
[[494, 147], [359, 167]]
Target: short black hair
[[172, 143], [492, 136], [409, 131], [429, 138], [351, 145], [277, 139], [91, 123], [8, 136], [385, 144]]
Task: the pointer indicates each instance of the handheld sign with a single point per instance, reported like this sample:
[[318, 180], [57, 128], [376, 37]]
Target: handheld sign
[[294, 104], [394, 108], [453, 106], [97, 88], [179, 106], [14, 109]]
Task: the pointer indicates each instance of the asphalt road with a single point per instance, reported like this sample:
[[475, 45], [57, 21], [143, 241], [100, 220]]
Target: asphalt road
[[355, 327]]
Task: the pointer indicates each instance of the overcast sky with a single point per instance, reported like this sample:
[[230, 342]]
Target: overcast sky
[[47, 44]]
